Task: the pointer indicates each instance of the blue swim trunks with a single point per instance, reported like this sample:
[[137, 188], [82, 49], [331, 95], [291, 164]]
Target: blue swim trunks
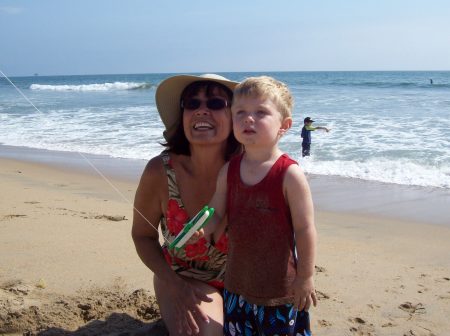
[[244, 318]]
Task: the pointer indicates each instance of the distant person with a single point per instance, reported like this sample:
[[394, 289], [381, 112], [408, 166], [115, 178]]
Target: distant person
[[306, 135], [266, 199], [431, 81]]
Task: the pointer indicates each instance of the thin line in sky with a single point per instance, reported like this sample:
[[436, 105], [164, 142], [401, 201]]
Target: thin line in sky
[[87, 160]]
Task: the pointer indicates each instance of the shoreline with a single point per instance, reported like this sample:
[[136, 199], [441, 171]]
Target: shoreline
[[68, 261], [330, 193]]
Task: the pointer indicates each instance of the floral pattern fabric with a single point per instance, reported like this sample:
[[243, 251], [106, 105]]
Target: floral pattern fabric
[[200, 260]]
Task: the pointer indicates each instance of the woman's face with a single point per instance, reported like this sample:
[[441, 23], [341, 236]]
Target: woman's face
[[207, 120]]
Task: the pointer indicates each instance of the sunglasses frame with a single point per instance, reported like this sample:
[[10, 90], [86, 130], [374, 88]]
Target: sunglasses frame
[[207, 103]]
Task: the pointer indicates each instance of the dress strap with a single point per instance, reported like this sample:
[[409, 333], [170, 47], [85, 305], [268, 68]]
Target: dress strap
[[171, 178]]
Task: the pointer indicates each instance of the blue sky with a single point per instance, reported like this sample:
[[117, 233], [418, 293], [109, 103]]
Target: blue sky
[[99, 37]]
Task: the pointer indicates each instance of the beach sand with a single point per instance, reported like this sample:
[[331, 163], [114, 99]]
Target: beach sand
[[68, 265]]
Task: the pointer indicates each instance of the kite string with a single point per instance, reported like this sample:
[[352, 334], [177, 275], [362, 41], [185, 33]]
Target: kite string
[[88, 161]]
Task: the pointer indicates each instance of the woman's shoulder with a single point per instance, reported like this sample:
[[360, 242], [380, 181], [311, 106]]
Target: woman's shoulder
[[154, 168]]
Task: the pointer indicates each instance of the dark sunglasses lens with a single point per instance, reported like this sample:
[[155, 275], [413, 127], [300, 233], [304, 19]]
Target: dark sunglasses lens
[[216, 104], [192, 104]]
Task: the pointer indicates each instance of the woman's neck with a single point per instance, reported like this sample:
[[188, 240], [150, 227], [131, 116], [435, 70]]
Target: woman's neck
[[206, 161]]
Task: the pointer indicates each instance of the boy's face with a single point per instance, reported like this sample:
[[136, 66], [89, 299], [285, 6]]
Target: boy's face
[[257, 121]]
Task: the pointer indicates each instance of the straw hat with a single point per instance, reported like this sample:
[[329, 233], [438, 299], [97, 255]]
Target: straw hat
[[168, 95]]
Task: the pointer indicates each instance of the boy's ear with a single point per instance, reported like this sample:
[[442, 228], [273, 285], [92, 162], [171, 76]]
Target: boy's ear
[[286, 124]]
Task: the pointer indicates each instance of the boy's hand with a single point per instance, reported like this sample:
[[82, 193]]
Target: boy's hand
[[304, 293], [196, 236]]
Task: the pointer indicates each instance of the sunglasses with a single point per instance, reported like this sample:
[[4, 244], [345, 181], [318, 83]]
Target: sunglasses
[[214, 104]]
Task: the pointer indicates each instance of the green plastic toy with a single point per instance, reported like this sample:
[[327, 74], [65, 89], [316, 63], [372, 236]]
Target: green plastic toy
[[195, 224]]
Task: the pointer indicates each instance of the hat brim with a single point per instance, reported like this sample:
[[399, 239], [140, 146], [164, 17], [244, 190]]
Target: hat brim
[[168, 94]]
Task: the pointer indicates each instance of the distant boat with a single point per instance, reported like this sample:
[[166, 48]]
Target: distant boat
[[36, 74]]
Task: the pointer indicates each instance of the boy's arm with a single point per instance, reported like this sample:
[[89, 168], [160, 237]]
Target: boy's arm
[[301, 207], [218, 202], [324, 128], [313, 128]]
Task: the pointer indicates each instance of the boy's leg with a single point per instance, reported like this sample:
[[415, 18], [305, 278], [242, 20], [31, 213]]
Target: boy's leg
[[306, 149], [239, 317], [302, 323], [282, 320]]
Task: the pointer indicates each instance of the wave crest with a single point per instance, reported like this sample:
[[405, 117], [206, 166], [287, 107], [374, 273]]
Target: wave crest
[[118, 86]]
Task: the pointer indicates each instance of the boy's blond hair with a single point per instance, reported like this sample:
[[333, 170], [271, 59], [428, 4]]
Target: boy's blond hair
[[268, 87]]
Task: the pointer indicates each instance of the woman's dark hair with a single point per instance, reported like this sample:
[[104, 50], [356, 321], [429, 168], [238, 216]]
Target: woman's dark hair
[[178, 143]]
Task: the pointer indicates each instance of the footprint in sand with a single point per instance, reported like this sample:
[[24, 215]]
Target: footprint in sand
[[6, 217], [324, 323], [321, 295], [361, 327], [421, 332], [412, 309], [111, 218], [422, 289], [83, 214], [442, 280], [373, 306]]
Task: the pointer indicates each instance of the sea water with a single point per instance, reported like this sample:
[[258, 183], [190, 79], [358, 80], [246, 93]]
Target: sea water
[[391, 127]]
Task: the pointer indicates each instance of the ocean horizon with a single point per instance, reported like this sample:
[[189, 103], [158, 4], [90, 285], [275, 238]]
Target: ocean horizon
[[386, 126]]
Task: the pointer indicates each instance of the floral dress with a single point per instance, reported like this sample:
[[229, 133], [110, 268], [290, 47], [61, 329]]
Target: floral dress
[[201, 260]]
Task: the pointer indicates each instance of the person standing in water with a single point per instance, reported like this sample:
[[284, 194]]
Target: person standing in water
[[306, 135]]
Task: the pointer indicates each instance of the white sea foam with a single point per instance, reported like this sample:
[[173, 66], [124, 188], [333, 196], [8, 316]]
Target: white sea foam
[[92, 87], [401, 171], [398, 135]]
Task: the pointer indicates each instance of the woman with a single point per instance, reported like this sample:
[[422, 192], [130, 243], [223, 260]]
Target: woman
[[174, 186]]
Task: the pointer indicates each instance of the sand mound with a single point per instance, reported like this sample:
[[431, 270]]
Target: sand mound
[[27, 309]]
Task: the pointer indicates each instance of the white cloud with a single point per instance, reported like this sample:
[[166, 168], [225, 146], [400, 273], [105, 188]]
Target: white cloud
[[10, 10]]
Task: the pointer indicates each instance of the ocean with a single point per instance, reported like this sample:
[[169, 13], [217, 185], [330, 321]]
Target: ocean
[[391, 127]]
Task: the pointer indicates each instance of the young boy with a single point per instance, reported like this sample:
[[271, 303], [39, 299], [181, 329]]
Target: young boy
[[306, 135], [268, 203]]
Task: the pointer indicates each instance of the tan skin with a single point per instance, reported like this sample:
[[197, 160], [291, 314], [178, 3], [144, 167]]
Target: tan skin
[[187, 306]]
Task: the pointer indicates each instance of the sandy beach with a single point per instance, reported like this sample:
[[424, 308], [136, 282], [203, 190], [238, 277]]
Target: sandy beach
[[68, 264]]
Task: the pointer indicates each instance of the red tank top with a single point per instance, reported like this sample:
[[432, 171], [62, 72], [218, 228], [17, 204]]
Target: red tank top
[[261, 263]]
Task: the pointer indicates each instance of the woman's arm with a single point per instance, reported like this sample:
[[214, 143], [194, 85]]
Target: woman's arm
[[146, 216], [150, 198]]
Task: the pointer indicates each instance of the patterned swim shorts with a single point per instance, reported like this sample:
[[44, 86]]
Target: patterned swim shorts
[[244, 318]]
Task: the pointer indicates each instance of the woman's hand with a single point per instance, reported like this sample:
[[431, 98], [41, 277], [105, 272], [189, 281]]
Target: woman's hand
[[187, 300]]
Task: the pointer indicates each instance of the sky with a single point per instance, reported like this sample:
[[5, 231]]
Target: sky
[[75, 37]]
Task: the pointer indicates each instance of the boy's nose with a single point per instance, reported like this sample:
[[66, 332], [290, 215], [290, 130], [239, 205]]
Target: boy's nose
[[249, 118]]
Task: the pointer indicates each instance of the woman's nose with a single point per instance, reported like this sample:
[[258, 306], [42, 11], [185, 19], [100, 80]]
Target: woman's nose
[[202, 109]]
